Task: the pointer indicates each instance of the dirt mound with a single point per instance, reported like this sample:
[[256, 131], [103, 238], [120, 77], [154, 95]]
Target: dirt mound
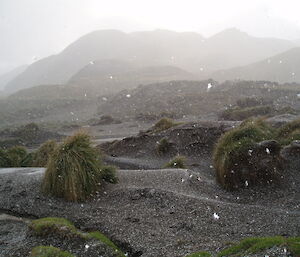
[[192, 139]]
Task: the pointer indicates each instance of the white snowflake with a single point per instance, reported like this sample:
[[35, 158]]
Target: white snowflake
[[267, 150], [216, 216], [209, 86], [128, 95]]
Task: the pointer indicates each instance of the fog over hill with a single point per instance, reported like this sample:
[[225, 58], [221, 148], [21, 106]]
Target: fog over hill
[[188, 51], [284, 67]]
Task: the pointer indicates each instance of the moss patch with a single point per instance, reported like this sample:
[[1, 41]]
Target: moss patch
[[53, 225], [64, 228], [104, 239], [49, 251], [258, 244]]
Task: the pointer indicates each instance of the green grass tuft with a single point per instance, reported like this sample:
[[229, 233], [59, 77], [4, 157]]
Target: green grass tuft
[[16, 155], [164, 124], [4, 159], [74, 170], [178, 163], [108, 174], [49, 251], [42, 155], [289, 132], [231, 151], [163, 146]]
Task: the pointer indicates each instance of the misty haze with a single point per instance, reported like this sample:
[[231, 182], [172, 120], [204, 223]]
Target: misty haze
[[149, 128]]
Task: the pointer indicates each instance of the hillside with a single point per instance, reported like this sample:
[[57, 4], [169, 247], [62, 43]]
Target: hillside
[[189, 51], [282, 68], [110, 76], [6, 77]]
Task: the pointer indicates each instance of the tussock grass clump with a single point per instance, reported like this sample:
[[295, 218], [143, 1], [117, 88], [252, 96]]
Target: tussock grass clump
[[4, 159], [258, 244], [74, 169], [16, 155], [178, 163], [49, 251], [42, 155], [232, 153], [108, 174], [163, 146], [164, 124], [289, 132]]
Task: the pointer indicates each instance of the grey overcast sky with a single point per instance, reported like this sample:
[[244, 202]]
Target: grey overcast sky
[[33, 29]]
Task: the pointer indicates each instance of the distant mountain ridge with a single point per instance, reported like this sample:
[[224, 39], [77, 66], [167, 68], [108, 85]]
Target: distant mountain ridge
[[282, 68], [189, 51]]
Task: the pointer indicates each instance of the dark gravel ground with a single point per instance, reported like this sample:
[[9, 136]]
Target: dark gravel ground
[[158, 212]]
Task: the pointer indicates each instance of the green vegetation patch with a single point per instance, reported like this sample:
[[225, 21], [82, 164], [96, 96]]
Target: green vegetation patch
[[232, 150], [178, 163], [64, 228], [74, 169], [54, 225], [42, 155], [49, 251], [258, 244], [289, 132], [164, 124], [108, 174], [163, 146], [238, 113], [104, 239]]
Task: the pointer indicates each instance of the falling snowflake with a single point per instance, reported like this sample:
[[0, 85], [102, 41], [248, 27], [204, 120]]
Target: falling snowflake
[[293, 73], [104, 98], [111, 77], [92, 62], [280, 61], [201, 69], [246, 183], [182, 180], [267, 151], [128, 95], [250, 151], [87, 246], [216, 216], [209, 86]]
